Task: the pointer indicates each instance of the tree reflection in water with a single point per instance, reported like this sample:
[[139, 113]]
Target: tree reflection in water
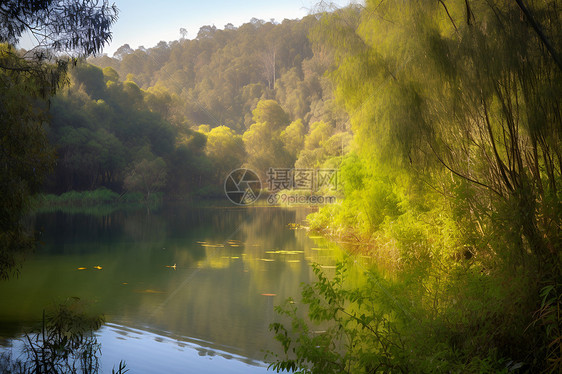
[[65, 343]]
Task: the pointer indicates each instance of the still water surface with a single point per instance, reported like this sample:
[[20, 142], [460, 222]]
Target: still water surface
[[184, 289]]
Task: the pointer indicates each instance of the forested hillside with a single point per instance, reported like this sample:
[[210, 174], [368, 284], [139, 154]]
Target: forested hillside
[[218, 77], [184, 114]]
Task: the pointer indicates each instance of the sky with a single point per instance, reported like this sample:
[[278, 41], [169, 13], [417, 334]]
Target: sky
[[145, 23]]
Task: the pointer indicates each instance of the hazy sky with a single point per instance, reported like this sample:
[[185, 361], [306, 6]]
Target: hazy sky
[[143, 22]]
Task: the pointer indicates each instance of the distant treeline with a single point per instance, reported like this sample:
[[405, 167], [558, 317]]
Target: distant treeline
[[218, 77]]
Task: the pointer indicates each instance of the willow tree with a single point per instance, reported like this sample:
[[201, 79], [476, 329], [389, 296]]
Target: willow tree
[[464, 97], [27, 80], [466, 88]]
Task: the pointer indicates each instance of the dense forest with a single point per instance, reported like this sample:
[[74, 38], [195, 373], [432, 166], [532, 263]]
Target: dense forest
[[178, 117], [444, 120]]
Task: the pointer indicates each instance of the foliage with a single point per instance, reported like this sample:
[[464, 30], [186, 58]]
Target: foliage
[[65, 343], [147, 176], [101, 127], [61, 25], [360, 337], [86, 198], [321, 145], [293, 138], [453, 182], [226, 151], [270, 112], [358, 321], [219, 77], [26, 82], [26, 157], [263, 139]]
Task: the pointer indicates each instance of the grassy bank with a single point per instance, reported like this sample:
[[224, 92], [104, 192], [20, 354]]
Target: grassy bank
[[101, 199]]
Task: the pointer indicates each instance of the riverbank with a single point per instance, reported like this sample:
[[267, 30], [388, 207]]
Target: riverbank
[[102, 200]]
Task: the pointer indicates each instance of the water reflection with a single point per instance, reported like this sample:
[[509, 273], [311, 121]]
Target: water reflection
[[169, 354], [210, 274]]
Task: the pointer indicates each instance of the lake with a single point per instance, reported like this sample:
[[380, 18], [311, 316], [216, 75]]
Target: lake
[[184, 289]]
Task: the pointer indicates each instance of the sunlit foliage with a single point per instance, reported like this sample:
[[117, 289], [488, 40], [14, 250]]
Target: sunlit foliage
[[454, 179]]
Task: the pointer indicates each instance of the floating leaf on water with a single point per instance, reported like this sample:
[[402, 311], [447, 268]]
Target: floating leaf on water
[[150, 291], [283, 252], [97, 267], [293, 261], [234, 257], [124, 283], [171, 266], [82, 268], [235, 245], [201, 242], [268, 294], [267, 259]]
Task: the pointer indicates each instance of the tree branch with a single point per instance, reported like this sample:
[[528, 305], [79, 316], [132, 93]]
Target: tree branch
[[540, 33]]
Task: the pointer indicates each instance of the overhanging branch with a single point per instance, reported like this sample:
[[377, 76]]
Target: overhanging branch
[[540, 33]]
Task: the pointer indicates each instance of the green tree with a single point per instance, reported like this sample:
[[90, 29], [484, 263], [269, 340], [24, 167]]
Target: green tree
[[91, 77], [26, 157], [293, 138], [63, 25], [110, 74], [264, 148], [147, 176], [27, 80], [226, 151], [270, 112], [456, 117], [314, 152]]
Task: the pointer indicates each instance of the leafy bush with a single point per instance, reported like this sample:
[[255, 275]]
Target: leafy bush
[[361, 322]]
